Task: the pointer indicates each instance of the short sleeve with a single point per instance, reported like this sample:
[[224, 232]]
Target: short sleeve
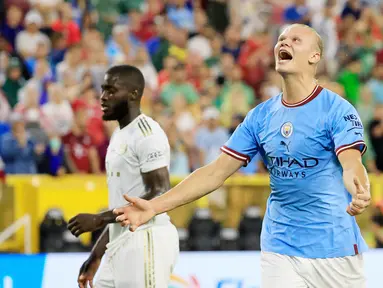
[[242, 145], [153, 153], [347, 129]]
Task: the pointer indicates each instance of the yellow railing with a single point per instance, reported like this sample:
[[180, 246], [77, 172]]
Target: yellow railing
[[35, 195]]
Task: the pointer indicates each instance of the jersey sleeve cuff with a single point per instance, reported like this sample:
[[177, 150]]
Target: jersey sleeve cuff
[[359, 145], [236, 155], [148, 167]]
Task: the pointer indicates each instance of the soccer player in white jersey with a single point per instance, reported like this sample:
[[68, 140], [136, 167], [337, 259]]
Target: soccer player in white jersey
[[137, 163], [311, 141]]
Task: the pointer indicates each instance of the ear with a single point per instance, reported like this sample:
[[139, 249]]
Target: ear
[[134, 94], [314, 58]]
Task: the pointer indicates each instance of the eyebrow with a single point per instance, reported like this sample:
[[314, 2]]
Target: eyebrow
[[106, 86]]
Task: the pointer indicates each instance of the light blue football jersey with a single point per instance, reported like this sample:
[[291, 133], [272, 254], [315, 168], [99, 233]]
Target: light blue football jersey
[[306, 210]]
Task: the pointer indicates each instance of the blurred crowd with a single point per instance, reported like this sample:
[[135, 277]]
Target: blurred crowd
[[206, 63]]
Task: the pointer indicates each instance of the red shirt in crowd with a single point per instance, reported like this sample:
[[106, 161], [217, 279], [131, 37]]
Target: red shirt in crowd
[[78, 148], [70, 30]]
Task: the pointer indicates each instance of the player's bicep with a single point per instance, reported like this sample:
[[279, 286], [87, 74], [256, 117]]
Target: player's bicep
[[153, 153], [347, 130], [225, 166], [156, 182]]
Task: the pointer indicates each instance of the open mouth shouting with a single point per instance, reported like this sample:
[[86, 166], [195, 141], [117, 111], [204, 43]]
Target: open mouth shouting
[[284, 56]]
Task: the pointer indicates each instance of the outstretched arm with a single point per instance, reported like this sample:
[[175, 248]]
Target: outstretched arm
[[198, 184], [356, 180]]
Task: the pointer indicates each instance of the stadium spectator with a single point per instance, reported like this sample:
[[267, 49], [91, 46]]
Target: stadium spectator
[[181, 15], [142, 62], [72, 66], [5, 109], [179, 160], [19, 153], [376, 136], [35, 120], [57, 112], [297, 13], [42, 52], [54, 158], [210, 136], [376, 83], [28, 39], [178, 85], [66, 25], [232, 42], [80, 153], [14, 81], [11, 25], [235, 96]]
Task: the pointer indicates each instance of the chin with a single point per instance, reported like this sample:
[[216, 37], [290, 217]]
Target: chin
[[109, 117]]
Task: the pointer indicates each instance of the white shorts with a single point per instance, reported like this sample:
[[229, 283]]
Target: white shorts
[[281, 271], [145, 259]]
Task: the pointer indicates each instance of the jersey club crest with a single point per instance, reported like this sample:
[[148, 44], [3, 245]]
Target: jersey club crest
[[287, 129]]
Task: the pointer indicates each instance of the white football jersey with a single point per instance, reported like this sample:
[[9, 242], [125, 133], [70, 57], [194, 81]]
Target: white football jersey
[[140, 147]]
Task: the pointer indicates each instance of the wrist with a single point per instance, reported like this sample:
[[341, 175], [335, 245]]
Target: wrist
[[156, 206], [107, 217]]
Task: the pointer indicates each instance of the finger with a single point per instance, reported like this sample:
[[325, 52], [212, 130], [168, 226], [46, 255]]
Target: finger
[[91, 283], [118, 211], [132, 200], [81, 281], [132, 228], [138, 202], [348, 210], [121, 218], [74, 229], [360, 203], [71, 224], [356, 210], [78, 232], [73, 219], [125, 223], [365, 197]]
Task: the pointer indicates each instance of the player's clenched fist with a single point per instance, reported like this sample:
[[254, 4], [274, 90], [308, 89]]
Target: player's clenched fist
[[361, 199], [137, 213]]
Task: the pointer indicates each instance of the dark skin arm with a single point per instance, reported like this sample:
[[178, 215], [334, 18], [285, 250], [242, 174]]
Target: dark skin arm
[[156, 182], [90, 266]]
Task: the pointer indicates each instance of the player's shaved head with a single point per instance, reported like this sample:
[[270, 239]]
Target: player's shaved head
[[129, 77], [318, 39]]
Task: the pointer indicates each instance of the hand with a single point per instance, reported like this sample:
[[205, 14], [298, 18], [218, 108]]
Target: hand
[[85, 223], [360, 200], [87, 272], [137, 213]]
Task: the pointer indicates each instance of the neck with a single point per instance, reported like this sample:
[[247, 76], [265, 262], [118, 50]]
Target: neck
[[297, 87], [133, 112]]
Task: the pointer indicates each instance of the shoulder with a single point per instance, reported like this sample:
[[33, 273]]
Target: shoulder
[[145, 129], [264, 109], [334, 103]]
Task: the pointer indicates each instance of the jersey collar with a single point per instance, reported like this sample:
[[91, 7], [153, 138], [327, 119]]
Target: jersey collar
[[313, 94]]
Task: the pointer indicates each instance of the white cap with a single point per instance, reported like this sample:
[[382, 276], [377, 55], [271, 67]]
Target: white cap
[[33, 17], [210, 113]]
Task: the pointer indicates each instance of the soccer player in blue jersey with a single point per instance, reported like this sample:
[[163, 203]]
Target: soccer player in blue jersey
[[312, 141]]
